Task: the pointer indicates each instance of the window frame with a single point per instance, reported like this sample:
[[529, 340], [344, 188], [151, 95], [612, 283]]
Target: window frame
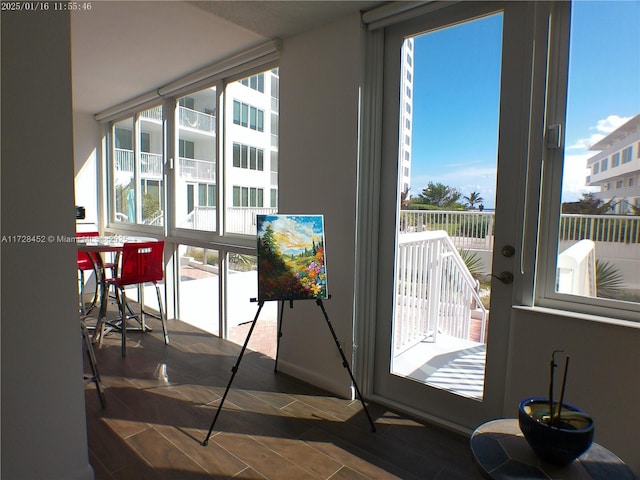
[[550, 201]]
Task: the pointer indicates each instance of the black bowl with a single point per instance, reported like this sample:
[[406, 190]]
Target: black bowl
[[557, 444]]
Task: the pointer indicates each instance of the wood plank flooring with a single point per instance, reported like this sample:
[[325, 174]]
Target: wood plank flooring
[[161, 401]]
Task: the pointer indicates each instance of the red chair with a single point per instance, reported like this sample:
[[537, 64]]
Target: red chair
[[86, 263], [142, 262]]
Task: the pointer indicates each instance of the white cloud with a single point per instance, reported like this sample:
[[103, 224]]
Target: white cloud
[[604, 127], [575, 176], [612, 122]]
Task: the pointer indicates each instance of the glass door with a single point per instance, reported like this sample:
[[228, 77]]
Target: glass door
[[451, 185]]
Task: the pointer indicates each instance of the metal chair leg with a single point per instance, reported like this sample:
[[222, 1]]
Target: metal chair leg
[[95, 374], [163, 317]]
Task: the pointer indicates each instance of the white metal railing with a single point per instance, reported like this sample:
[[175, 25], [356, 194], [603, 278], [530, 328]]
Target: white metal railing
[[151, 165], [154, 113], [474, 229], [193, 169], [435, 292], [243, 219], [197, 120], [600, 228], [238, 219], [123, 160], [467, 229], [156, 219]]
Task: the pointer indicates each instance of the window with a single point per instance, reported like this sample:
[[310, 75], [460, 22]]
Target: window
[[252, 143], [577, 272], [248, 197], [248, 116], [207, 195], [245, 156], [137, 169], [182, 132], [615, 159], [195, 178], [256, 82]]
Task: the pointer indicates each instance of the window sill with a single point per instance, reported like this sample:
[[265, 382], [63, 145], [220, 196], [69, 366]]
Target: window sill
[[618, 322]]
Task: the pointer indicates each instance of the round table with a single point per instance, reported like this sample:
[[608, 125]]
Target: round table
[[502, 453]]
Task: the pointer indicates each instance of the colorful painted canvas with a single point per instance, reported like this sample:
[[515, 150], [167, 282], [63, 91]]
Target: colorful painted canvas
[[291, 257]]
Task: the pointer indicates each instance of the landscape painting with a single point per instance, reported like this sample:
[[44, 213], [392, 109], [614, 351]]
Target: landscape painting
[[291, 257]]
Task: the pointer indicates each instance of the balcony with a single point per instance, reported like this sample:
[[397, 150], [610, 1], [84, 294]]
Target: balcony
[[202, 122], [150, 163], [197, 170], [240, 220]]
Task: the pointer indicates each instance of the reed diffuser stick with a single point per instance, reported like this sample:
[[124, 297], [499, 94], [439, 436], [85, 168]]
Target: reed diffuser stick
[[564, 384]]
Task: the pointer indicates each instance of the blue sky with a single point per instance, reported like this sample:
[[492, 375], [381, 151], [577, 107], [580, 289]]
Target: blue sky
[[462, 64]]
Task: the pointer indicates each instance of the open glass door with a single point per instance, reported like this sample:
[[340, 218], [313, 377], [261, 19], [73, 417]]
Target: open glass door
[[452, 182]]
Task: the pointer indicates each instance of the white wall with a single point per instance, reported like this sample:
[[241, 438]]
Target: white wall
[[319, 78], [603, 375], [43, 414], [85, 154]]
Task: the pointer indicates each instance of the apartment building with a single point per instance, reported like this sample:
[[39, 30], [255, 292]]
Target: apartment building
[[616, 168]]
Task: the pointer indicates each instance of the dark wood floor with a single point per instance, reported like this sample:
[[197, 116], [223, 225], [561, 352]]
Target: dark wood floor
[[161, 401]]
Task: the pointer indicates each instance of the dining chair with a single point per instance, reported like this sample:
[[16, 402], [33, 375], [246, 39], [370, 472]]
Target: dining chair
[[141, 262], [86, 263]]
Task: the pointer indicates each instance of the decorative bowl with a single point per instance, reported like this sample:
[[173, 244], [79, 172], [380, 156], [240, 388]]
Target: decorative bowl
[[561, 442]]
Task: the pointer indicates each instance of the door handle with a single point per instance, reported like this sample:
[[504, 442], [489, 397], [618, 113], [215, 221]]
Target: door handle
[[504, 277]]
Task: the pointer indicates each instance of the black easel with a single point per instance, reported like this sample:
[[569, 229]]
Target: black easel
[[234, 369]]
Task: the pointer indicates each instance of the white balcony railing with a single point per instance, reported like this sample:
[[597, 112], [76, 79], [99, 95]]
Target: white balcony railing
[[201, 170], [435, 292], [474, 229], [600, 228], [468, 230], [150, 163], [154, 113], [196, 120], [243, 219], [238, 219], [123, 160]]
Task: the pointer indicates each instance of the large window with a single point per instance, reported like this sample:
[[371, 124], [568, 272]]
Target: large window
[[137, 169], [593, 264], [170, 176], [195, 172], [251, 130]]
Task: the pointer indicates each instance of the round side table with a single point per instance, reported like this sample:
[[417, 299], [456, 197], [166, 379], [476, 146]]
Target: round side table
[[502, 453]]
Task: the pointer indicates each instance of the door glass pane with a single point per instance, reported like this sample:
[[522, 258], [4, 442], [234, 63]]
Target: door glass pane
[[151, 166], [251, 141], [447, 178], [599, 239], [196, 165], [123, 172], [199, 287]]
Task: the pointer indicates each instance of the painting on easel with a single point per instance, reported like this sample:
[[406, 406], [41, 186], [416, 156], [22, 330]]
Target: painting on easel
[[291, 257]]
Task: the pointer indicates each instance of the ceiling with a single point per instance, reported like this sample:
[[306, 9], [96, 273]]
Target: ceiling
[[122, 49]]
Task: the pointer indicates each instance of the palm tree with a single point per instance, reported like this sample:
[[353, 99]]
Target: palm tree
[[472, 199], [405, 198]]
